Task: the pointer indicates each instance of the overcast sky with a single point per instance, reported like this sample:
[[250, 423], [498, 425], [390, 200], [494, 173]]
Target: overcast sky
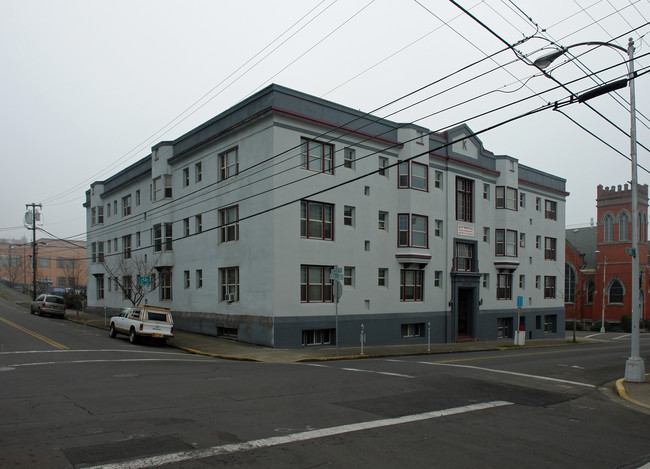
[[87, 87]]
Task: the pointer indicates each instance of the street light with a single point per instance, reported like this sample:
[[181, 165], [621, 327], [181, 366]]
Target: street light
[[602, 321], [634, 366]]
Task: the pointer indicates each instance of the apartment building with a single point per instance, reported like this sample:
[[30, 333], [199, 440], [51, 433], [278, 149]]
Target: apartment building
[[238, 224]]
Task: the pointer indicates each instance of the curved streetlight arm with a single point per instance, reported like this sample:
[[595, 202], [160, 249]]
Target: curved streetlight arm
[[547, 59]]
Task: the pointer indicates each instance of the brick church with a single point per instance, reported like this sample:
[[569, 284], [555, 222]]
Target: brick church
[[597, 262]]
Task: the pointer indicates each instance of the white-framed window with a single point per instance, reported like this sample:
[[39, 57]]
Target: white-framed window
[[382, 277], [412, 230], [199, 279], [522, 240], [413, 176], [522, 282], [229, 283], [383, 166], [318, 336], [100, 251], [437, 230], [486, 234], [486, 281], [437, 182], [186, 177], [162, 237], [411, 285], [486, 191], [127, 287], [506, 197], [162, 187], [126, 246], [198, 172], [165, 284], [413, 330], [138, 198], [228, 164], [186, 279], [349, 155], [506, 243], [229, 223], [348, 276], [382, 220], [198, 224], [126, 205], [522, 200], [186, 227], [99, 282], [538, 204], [348, 215], [437, 278]]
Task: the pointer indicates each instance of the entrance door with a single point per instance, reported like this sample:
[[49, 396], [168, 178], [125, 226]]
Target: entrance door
[[465, 305]]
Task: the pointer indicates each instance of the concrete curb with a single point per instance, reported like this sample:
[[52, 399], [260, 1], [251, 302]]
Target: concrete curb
[[620, 389], [214, 355]]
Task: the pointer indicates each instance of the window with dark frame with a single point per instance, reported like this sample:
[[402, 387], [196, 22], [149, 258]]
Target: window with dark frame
[[464, 260], [316, 220], [504, 286], [315, 284], [550, 210], [505, 242], [464, 199], [317, 156], [550, 248], [549, 286], [411, 285], [412, 230]]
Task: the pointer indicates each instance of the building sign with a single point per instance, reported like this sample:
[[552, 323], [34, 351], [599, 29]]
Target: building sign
[[466, 231]]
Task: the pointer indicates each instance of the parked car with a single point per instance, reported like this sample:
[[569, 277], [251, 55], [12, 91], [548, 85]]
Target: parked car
[[143, 321], [54, 305]]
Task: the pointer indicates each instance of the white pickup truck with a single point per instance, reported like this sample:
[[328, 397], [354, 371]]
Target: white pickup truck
[[143, 321]]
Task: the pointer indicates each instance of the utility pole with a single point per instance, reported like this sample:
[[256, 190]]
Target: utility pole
[[35, 216]]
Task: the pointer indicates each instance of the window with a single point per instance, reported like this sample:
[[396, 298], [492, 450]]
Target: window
[[550, 249], [316, 220], [486, 281], [317, 156], [538, 204], [569, 283], [538, 281], [127, 287], [165, 284], [126, 205], [366, 190], [591, 288], [550, 210], [162, 188], [229, 283], [348, 215], [437, 278], [615, 292], [315, 285], [318, 336], [228, 164], [506, 197], [198, 172], [198, 222], [506, 243], [608, 227], [383, 164], [522, 200], [126, 246], [382, 277], [464, 261], [348, 276], [138, 197], [550, 324], [100, 215], [383, 220], [522, 282], [413, 234], [538, 242], [99, 282], [186, 177], [348, 158], [138, 239], [437, 179], [486, 191], [623, 227], [413, 330], [504, 286], [186, 277], [522, 240], [464, 201], [503, 327], [411, 285], [100, 251], [186, 227], [437, 231], [366, 245], [162, 237], [199, 278], [486, 234], [416, 178], [229, 223], [549, 286]]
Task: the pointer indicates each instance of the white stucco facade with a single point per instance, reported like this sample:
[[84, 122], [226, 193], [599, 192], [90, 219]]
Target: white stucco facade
[[246, 242]]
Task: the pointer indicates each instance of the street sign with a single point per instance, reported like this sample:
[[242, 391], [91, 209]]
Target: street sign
[[338, 290], [336, 276], [146, 281], [520, 301]]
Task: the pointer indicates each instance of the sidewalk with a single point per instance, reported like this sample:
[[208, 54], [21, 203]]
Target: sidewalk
[[218, 347]]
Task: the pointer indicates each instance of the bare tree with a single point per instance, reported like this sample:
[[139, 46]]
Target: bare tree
[[126, 273], [75, 273]]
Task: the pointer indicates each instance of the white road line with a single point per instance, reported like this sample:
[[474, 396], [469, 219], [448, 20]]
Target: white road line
[[624, 336], [513, 373], [378, 372], [121, 360], [19, 352], [180, 456]]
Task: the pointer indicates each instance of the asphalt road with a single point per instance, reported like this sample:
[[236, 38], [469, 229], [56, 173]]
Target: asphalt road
[[70, 397]]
